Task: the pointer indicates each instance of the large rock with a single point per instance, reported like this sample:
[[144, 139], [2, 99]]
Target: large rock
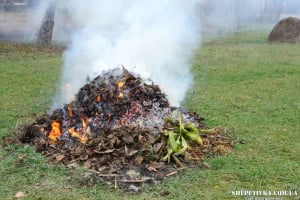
[[286, 30]]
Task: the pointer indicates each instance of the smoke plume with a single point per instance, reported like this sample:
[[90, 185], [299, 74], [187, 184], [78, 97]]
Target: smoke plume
[[155, 39]]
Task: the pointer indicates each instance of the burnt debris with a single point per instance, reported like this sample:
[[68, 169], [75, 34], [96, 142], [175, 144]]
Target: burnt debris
[[115, 124]]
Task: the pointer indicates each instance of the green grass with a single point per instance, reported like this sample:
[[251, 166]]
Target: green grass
[[241, 83]]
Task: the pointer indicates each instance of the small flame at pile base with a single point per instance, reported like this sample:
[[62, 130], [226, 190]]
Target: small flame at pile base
[[55, 131]]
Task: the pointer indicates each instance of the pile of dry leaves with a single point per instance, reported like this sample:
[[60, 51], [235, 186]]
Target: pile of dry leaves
[[116, 128]]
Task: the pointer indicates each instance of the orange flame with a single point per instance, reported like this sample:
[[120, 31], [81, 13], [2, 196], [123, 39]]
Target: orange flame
[[74, 133], [84, 125], [98, 98], [83, 138], [55, 131], [121, 84], [120, 95], [70, 112]]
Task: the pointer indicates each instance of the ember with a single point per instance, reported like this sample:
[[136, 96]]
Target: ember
[[117, 122], [98, 98]]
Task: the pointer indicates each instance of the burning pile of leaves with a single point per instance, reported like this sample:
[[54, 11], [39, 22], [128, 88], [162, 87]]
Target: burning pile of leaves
[[123, 129]]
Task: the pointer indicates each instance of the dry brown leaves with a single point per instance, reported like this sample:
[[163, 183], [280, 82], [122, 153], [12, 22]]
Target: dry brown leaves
[[125, 141]]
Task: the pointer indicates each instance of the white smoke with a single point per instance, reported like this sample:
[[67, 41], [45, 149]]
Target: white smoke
[[153, 38]]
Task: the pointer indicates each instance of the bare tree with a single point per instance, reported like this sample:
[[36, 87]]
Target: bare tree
[[46, 29]]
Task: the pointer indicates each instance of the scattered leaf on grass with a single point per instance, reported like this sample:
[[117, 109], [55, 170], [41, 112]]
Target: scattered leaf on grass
[[19, 194], [20, 161], [205, 165]]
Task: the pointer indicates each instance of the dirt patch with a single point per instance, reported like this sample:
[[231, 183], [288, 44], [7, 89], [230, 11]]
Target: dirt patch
[[286, 30]]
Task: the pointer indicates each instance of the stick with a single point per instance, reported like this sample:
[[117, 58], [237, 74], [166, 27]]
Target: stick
[[131, 181], [103, 175], [108, 175], [116, 185], [170, 174], [178, 161]]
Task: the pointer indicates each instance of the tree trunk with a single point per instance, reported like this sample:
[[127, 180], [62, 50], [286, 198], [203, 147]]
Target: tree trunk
[[46, 29]]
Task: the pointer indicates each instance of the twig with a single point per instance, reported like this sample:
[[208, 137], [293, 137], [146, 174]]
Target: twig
[[178, 162], [102, 175], [222, 137], [171, 173], [181, 168], [131, 181], [108, 175], [116, 185]]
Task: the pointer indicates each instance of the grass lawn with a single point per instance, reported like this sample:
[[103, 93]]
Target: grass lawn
[[241, 83]]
